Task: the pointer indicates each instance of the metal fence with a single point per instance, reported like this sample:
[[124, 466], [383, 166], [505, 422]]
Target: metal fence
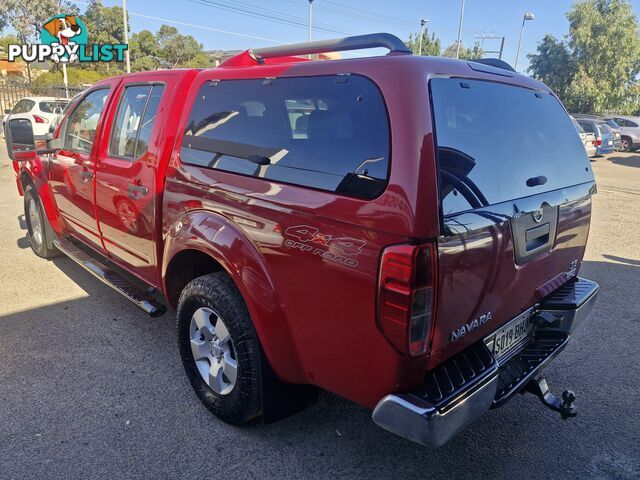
[[11, 92]]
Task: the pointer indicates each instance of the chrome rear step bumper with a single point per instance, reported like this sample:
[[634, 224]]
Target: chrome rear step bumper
[[460, 390]]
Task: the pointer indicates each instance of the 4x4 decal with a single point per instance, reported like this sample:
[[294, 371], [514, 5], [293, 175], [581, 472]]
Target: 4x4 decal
[[342, 250]]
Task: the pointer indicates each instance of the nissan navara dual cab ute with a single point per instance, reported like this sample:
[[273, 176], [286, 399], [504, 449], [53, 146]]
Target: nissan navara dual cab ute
[[403, 231]]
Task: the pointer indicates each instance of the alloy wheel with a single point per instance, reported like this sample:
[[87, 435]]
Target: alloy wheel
[[34, 222], [213, 351]]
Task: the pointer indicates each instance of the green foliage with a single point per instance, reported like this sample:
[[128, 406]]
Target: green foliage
[[104, 24], [552, 64], [75, 76], [175, 48], [465, 53], [7, 39], [596, 69], [143, 44], [430, 44]]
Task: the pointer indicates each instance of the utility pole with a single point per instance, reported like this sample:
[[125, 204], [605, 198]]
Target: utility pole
[[491, 36], [527, 16], [460, 31], [65, 79], [310, 19], [127, 60], [423, 23]]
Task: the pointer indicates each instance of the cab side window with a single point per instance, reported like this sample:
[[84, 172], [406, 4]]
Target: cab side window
[[83, 121], [134, 121]]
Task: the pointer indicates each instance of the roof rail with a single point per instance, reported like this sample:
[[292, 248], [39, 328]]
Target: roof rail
[[494, 62], [359, 42]]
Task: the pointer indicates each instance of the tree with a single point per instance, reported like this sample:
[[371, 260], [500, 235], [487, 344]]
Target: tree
[[177, 49], [8, 39], [430, 44], [605, 43], [143, 44], [104, 26], [75, 76], [26, 17], [596, 69], [465, 53], [552, 65]]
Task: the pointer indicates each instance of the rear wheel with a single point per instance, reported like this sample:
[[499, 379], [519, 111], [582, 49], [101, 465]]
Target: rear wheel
[[626, 145], [38, 229], [219, 348]]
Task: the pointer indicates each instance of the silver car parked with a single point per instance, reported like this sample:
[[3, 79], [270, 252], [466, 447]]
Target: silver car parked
[[629, 130]]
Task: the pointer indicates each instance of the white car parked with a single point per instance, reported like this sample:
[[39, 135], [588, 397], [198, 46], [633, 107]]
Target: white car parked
[[42, 111]]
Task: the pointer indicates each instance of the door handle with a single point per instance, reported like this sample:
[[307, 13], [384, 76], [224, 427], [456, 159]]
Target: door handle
[[137, 191], [85, 175]]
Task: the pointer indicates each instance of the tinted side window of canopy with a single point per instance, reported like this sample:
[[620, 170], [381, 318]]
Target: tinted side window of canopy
[[328, 132]]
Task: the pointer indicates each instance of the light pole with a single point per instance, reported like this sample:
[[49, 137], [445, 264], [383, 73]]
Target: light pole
[[423, 23], [310, 18], [127, 61], [460, 30], [527, 16]]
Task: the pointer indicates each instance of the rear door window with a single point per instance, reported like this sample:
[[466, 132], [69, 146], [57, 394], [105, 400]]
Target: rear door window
[[50, 106], [329, 133], [134, 121], [492, 139], [23, 106]]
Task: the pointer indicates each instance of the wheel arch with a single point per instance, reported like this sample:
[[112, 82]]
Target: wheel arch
[[35, 175], [216, 244]]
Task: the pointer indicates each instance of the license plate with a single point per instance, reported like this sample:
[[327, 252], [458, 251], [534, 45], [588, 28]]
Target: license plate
[[610, 142], [513, 334]]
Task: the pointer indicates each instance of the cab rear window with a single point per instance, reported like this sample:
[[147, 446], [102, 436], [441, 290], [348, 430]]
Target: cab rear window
[[497, 142], [329, 132]]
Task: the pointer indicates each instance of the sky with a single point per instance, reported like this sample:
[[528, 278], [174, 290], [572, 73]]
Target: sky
[[229, 29]]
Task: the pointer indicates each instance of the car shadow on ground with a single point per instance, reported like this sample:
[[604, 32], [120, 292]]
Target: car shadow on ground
[[98, 360], [630, 161]]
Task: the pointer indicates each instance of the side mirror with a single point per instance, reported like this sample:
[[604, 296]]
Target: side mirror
[[21, 144], [7, 111], [57, 111]]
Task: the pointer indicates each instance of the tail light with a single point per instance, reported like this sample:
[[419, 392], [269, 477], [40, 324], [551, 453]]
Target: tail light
[[40, 119], [406, 296], [597, 142]]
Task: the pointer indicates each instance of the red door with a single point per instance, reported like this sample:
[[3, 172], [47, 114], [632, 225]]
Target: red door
[[72, 169], [126, 173]]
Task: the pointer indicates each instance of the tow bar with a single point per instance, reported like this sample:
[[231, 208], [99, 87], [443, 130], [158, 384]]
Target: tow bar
[[565, 407]]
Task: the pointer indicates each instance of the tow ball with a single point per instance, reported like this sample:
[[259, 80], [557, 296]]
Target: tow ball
[[565, 407]]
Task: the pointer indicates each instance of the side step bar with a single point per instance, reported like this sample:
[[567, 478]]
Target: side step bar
[[111, 278]]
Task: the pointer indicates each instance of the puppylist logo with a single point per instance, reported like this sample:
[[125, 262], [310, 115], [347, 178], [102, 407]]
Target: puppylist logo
[[64, 38]]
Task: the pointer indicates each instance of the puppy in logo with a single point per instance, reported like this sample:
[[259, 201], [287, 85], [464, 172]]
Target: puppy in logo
[[64, 29]]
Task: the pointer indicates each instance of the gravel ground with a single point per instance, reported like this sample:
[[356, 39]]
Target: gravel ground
[[90, 387]]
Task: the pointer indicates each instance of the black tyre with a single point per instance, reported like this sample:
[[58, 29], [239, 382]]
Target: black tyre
[[38, 228], [626, 144], [219, 348]]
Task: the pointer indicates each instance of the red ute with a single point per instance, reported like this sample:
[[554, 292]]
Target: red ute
[[403, 231]]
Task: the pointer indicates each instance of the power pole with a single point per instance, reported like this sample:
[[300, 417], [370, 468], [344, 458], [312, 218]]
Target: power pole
[[127, 60], [423, 23], [460, 31], [491, 36], [65, 79], [310, 19]]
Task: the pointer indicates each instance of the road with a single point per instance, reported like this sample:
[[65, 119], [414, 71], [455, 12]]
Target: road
[[90, 387]]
